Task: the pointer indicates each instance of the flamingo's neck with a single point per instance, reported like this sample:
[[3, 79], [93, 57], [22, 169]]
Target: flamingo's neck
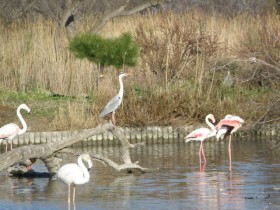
[[207, 120], [24, 125], [84, 169], [213, 129]]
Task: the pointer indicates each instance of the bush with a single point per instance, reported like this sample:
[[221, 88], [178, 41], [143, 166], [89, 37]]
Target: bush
[[115, 52]]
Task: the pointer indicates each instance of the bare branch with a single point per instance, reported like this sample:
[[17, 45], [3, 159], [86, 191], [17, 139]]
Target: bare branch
[[21, 11], [123, 167], [123, 10], [267, 111], [49, 153], [46, 150]]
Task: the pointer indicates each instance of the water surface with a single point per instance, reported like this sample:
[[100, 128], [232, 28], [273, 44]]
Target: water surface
[[180, 182]]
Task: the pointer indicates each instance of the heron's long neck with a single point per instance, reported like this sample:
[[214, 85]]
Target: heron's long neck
[[209, 123], [24, 125], [84, 169], [121, 87]]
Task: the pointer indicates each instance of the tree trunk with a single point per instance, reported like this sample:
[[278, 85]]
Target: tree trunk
[[47, 153]]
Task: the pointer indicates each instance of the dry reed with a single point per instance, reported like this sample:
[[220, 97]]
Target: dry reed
[[183, 61]]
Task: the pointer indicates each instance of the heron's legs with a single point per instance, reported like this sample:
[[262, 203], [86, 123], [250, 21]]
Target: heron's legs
[[6, 146], [113, 118]]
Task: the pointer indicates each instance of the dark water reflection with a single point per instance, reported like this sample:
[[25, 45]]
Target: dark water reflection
[[178, 184]]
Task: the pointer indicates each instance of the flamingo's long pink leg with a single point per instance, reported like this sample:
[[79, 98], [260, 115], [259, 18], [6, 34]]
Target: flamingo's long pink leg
[[199, 153], [74, 193], [203, 154], [229, 151], [69, 192], [202, 169]]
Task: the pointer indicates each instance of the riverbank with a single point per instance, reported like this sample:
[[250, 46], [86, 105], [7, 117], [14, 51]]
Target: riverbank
[[149, 135]]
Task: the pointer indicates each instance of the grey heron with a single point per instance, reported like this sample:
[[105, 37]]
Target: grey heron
[[115, 102]]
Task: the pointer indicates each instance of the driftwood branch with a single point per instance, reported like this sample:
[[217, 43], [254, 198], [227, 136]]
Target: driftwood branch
[[48, 153], [129, 167], [14, 156]]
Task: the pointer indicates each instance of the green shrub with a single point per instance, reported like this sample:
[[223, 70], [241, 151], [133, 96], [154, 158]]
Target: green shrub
[[115, 52]]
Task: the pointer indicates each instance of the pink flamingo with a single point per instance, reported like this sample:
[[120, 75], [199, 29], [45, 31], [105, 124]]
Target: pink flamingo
[[201, 134], [226, 127], [10, 131]]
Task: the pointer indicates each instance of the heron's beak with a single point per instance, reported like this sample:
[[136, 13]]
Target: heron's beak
[[128, 74]]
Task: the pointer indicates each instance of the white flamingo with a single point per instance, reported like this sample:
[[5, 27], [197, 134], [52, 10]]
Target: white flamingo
[[75, 173], [201, 134], [10, 131]]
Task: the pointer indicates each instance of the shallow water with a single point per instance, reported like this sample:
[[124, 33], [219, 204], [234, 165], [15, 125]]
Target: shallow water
[[180, 182]]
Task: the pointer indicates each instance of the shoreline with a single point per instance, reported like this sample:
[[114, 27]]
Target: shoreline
[[149, 135]]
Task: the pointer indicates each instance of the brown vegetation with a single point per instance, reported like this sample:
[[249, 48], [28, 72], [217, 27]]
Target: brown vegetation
[[179, 79]]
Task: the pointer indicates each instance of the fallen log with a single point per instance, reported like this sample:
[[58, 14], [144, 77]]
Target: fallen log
[[48, 153]]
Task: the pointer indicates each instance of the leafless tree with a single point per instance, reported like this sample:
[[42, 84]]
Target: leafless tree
[[64, 12]]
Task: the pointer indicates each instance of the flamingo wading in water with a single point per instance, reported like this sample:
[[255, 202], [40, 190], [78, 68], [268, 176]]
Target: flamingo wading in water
[[226, 127], [116, 101], [201, 134], [75, 173], [10, 131]]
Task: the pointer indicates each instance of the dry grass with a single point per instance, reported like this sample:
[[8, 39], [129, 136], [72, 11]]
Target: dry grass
[[74, 115], [183, 61]]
